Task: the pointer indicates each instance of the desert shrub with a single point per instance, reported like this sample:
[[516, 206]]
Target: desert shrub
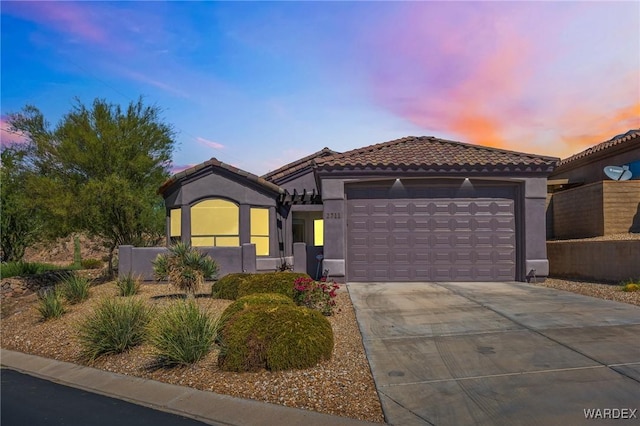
[[227, 286], [18, 269], [75, 288], [182, 334], [317, 295], [631, 287], [50, 304], [275, 337], [128, 285], [272, 282], [252, 300], [184, 267], [114, 326], [91, 263]]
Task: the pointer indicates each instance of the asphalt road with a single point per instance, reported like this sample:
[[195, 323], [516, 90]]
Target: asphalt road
[[27, 400]]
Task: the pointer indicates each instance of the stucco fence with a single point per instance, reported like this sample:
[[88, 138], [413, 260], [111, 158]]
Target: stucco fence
[[138, 261], [595, 260]]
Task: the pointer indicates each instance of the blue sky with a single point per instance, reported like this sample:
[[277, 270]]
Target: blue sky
[[259, 84]]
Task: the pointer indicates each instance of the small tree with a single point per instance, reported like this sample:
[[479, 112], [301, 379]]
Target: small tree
[[185, 268], [98, 171], [20, 222]]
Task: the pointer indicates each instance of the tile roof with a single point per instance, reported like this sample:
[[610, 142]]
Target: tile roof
[[215, 163], [296, 166], [630, 137], [428, 151]]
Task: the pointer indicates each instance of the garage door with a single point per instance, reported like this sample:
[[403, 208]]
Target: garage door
[[429, 236]]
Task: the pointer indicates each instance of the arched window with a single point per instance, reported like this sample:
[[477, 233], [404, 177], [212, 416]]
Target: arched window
[[215, 223]]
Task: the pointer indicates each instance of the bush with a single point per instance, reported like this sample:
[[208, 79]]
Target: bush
[[227, 286], [18, 269], [128, 285], [315, 295], [75, 289], [185, 267], [114, 326], [276, 337], [272, 282], [182, 334], [252, 300], [91, 263], [50, 304], [631, 287]]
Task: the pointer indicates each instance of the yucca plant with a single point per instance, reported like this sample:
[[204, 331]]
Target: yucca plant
[[185, 268], [50, 304]]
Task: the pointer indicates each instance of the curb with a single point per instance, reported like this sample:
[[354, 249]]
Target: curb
[[206, 407]]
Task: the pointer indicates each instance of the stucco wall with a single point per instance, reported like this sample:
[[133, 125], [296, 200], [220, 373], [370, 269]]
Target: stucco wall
[[596, 260]]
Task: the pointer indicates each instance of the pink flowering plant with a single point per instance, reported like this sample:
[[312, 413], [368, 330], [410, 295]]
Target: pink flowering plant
[[315, 295]]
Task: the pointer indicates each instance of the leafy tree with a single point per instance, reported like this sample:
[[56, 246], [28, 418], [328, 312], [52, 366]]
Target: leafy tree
[[98, 170], [20, 223]]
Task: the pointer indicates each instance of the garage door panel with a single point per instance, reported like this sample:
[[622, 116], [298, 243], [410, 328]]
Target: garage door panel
[[441, 239]]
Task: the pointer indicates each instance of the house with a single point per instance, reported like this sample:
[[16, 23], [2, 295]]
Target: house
[[411, 209], [583, 202]]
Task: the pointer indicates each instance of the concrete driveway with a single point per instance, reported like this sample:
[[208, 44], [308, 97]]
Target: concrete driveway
[[499, 353]]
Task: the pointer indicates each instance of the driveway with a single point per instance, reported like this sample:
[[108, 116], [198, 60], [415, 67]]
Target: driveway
[[498, 353]]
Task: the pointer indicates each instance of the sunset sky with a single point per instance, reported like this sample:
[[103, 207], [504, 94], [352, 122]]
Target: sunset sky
[[261, 84]]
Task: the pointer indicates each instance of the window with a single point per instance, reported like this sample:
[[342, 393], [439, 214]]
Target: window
[[318, 232], [260, 230], [215, 223], [175, 216]]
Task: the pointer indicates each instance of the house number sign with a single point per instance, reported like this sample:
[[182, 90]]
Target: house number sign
[[333, 216]]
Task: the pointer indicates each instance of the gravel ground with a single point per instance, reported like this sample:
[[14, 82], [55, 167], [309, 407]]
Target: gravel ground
[[600, 290], [342, 386]]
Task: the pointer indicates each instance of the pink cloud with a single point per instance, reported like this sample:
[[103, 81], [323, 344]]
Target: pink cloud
[[74, 18], [8, 136], [491, 74], [210, 144]]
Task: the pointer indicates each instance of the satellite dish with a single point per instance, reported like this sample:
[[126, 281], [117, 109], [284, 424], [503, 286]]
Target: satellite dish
[[618, 172]]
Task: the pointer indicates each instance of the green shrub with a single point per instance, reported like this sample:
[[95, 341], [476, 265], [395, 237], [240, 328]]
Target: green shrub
[[182, 334], [272, 282], [275, 337], [114, 326], [252, 300], [227, 286], [17, 269], [631, 287], [185, 267], [75, 288], [50, 304], [91, 263], [128, 285]]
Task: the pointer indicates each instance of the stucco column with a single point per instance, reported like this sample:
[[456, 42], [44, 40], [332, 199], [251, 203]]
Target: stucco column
[[536, 262], [245, 224], [185, 224], [334, 216]]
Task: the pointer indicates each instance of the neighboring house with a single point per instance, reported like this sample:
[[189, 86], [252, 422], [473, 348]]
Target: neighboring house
[[412, 209], [584, 202]]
